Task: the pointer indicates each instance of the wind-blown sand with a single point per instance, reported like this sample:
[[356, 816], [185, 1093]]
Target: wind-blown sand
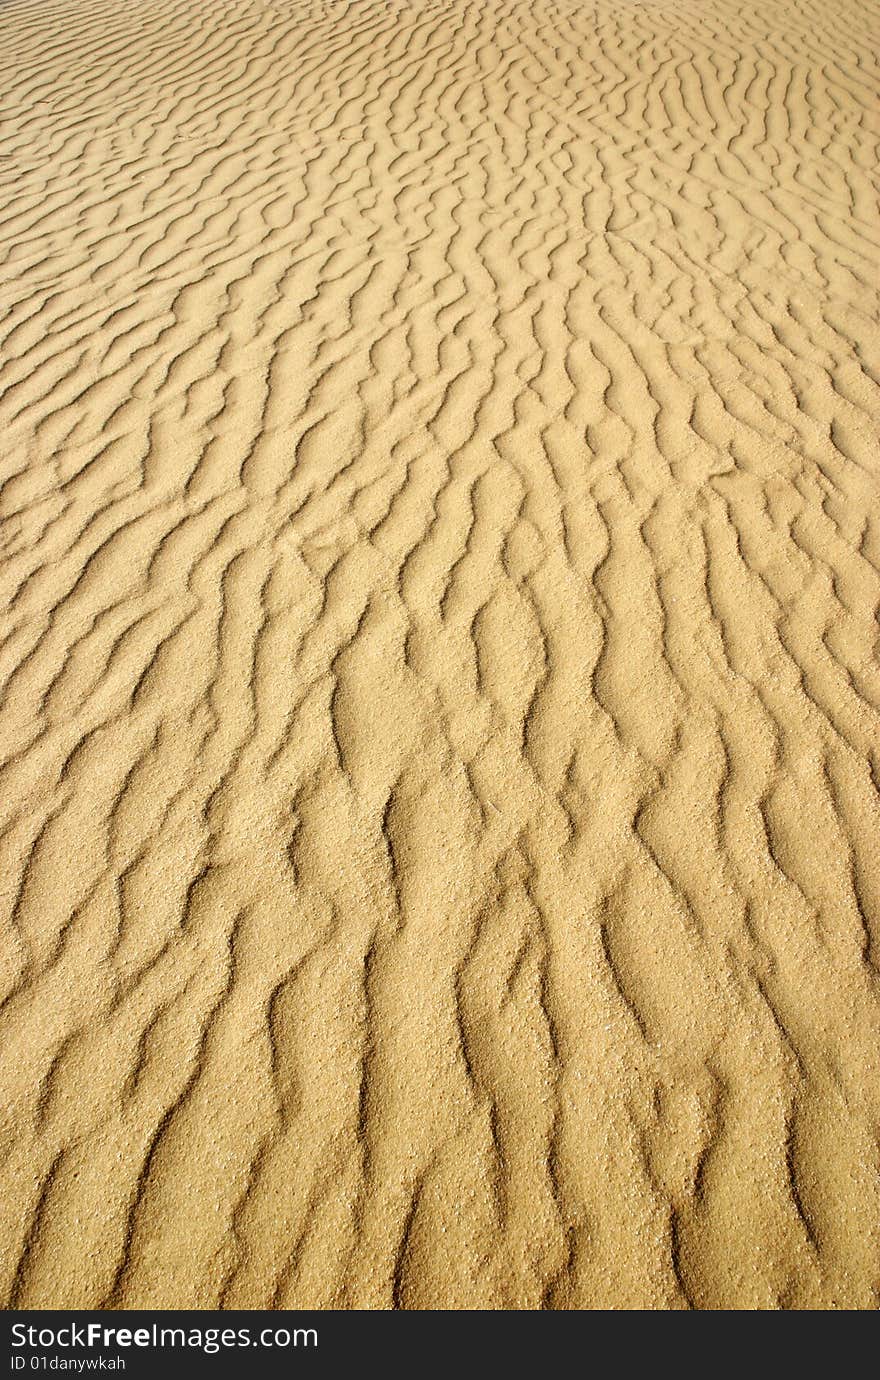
[[440, 559]]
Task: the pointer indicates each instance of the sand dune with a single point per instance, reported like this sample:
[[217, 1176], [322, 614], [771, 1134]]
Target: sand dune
[[439, 739]]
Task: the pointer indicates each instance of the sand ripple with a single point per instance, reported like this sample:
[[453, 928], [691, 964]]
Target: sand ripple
[[439, 743]]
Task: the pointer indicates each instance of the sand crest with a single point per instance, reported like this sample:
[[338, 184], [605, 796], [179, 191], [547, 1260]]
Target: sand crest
[[440, 534]]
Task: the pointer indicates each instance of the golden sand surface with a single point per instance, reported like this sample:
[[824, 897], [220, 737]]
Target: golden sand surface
[[439, 829]]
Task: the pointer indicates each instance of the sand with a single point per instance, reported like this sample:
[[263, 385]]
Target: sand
[[440, 562]]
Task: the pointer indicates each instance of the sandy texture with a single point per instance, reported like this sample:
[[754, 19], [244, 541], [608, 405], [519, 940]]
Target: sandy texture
[[440, 559]]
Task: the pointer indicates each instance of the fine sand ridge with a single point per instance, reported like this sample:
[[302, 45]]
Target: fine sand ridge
[[439, 743]]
